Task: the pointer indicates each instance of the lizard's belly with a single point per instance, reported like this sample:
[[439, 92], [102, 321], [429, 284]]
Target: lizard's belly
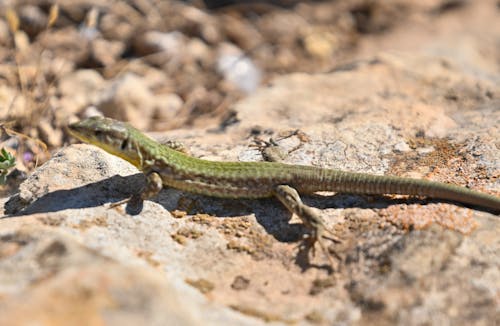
[[222, 188]]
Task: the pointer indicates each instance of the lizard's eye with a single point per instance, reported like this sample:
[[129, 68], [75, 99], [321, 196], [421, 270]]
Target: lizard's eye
[[124, 144]]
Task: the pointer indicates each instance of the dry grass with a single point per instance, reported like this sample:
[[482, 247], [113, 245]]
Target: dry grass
[[20, 128]]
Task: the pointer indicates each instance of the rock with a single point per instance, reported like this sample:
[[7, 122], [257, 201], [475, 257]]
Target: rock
[[80, 89], [128, 99], [400, 259], [67, 43], [59, 281], [429, 110], [113, 26], [75, 169], [169, 48], [4, 33], [198, 51], [151, 42], [320, 43], [107, 53], [244, 35], [13, 100], [238, 69], [33, 20], [49, 260], [168, 107]]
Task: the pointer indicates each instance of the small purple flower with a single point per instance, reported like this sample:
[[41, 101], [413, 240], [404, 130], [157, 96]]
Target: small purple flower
[[28, 156]]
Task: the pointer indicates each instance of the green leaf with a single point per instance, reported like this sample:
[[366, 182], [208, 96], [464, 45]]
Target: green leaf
[[7, 161]]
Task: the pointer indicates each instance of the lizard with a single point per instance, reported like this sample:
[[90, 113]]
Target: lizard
[[169, 166]]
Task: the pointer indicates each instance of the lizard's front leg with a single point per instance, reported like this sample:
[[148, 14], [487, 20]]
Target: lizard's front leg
[[153, 186], [154, 183], [291, 199]]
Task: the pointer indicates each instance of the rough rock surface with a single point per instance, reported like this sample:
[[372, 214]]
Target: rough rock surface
[[432, 111], [402, 260]]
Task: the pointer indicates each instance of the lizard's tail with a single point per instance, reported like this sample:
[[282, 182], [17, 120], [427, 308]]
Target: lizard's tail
[[361, 183]]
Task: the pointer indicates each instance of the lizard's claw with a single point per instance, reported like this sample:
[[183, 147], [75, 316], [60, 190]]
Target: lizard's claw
[[119, 203], [317, 235], [317, 229]]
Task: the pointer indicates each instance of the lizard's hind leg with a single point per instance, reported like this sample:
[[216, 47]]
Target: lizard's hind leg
[[311, 219]]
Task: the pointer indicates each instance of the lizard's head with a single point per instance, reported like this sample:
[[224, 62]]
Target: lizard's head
[[113, 136]]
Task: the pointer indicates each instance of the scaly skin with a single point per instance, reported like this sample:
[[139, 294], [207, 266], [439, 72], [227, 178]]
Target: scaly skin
[[251, 179], [165, 166]]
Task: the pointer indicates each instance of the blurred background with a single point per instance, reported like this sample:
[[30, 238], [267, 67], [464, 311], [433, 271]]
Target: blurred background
[[169, 64]]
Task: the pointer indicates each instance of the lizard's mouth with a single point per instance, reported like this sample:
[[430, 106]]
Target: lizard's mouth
[[98, 130], [76, 131], [112, 137]]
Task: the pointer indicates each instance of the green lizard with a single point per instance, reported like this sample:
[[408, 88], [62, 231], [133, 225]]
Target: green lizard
[[165, 166]]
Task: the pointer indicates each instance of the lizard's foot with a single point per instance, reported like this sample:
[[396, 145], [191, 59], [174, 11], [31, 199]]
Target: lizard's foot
[[318, 231], [153, 186], [318, 234], [176, 146], [271, 150]]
